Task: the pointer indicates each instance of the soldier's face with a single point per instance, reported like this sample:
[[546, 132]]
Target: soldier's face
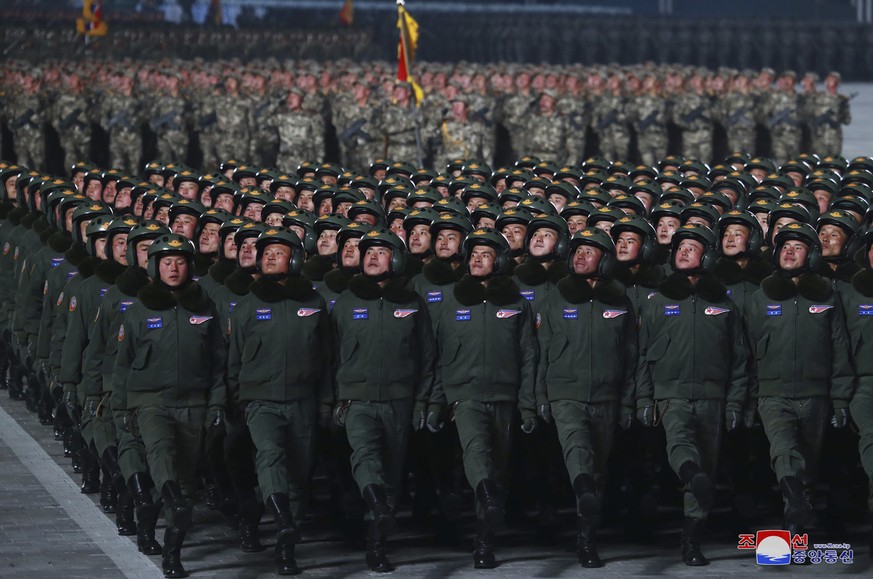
[[9, 184], [100, 247], [796, 177], [377, 261], [247, 255], [304, 201], [473, 203], [248, 182], [558, 201], [119, 248], [792, 255], [142, 253], [823, 197], [448, 243], [627, 246], [482, 260], [208, 241], [285, 193], [832, 240], [542, 242], [327, 242], [343, 208], [122, 199], [779, 224], [188, 190], [367, 218], [586, 258], [764, 219], [351, 257], [94, 190], [419, 239], [274, 219], [486, 221], [229, 246], [224, 201], [396, 227], [173, 270], [276, 259], [689, 254], [735, 240], [758, 174], [576, 223], [185, 225], [253, 211], [109, 191], [515, 234], [156, 179], [547, 104], [698, 221]]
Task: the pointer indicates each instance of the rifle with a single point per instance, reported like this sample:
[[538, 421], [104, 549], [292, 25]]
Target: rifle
[[783, 116], [259, 110], [693, 115], [480, 115], [121, 119], [608, 120], [24, 119], [735, 117], [648, 120], [356, 128], [167, 119], [825, 119], [207, 121], [70, 119]]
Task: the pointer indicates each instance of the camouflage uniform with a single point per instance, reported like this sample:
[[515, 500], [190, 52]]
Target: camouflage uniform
[[265, 108], [169, 118], [25, 114], [782, 118], [515, 110], [233, 126], [358, 129], [827, 113], [737, 113], [692, 113], [398, 124], [650, 123], [122, 117], [301, 137], [575, 108], [72, 123], [547, 136], [609, 118]]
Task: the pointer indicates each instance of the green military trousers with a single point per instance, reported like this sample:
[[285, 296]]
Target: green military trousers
[[586, 431], [795, 428], [862, 413], [172, 440]]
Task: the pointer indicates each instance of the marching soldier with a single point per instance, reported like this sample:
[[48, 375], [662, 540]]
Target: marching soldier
[[829, 111]]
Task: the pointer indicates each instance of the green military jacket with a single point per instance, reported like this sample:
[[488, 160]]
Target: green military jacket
[[279, 344], [171, 351], [535, 282], [235, 287], [858, 308], [588, 343], [99, 358], [383, 343], [65, 307], [799, 339], [641, 283], [742, 282], [487, 348], [437, 278], [691, 344], [336, 282]]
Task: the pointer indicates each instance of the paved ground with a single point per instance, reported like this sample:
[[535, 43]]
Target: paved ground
[[48, 528]]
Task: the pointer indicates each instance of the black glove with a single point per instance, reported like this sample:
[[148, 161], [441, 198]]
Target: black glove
[[215, 417], [545, 413], [840, 419], [419, 418], [91, 404], [731, 420], [626, 418], [123, 420], [72, 406], [434, 421], [646, 416], [339, 415], [529, 424]]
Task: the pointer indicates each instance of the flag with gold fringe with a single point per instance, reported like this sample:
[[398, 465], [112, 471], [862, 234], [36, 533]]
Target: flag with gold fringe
[[91, 22], [406, 49]]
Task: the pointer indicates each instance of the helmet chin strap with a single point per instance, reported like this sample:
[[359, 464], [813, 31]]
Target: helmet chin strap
[[377, 278], [543, 258]]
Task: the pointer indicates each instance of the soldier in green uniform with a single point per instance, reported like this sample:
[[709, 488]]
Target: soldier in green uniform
[[384, 357], [281, 390], [486, 375], [797, 330], [170, 368], [693, 364], [115, 443], [588, 322]]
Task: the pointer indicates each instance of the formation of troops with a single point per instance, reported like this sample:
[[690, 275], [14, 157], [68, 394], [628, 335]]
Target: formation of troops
[[273, 114]]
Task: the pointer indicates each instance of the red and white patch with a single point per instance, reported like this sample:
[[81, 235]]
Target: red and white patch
[[306, 312], [403, 313], [60, 299], [819, 309], [121, 333], [503, 314], [610, 314], [45, 288], [197, 320], [74, 303], [714, 311]]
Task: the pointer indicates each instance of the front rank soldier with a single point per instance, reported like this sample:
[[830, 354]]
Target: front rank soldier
[[384, 355], [487, 370], [692, 364], [798, 331], [170, 369], [280, 390]]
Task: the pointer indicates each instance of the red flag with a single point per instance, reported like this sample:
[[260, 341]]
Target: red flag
[[91, 23], [347, 13], [406, 49]]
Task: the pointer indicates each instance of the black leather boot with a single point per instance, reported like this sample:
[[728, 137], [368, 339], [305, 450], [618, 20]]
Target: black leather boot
[[178, 505], [124, 521], [798, 515], [691, 532], [586, 546], [489, 503], [77, 449], [699, 482], [287, 537], [108, 494], [377, 560], [90, 473], [250, 512], [377, 502], [483, 547], [171, 562], [139, 484]]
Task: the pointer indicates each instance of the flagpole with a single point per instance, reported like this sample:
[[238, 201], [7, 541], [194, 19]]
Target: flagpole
[[404, 37]]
